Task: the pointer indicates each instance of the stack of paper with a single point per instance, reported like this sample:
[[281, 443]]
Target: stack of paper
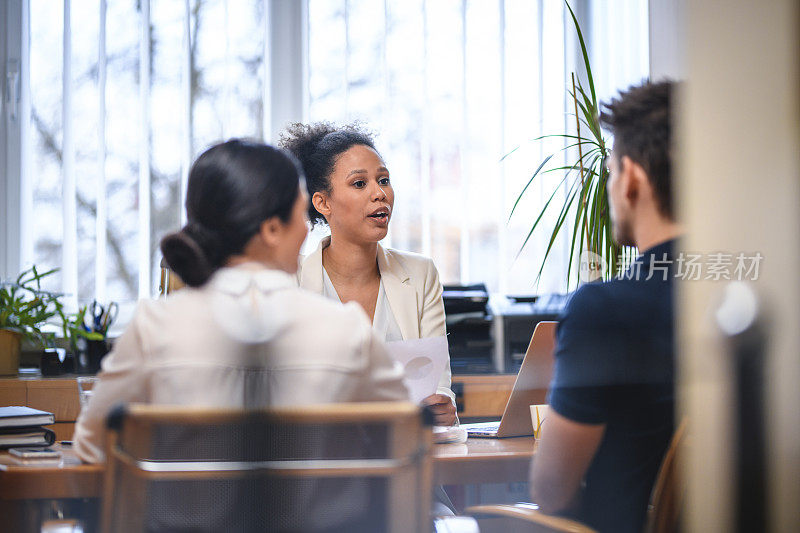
[[22, 426]]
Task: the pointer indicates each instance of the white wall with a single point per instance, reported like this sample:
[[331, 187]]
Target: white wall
[[740, 191], [667, 39]]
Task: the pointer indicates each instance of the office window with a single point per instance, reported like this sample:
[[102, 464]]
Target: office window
[[453, 85], [116, 116], [124, 94]]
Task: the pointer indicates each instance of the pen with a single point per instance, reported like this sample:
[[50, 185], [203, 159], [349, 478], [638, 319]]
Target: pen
[[109, 317]]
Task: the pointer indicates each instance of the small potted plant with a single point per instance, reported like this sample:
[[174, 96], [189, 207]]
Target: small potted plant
[[24, 310]]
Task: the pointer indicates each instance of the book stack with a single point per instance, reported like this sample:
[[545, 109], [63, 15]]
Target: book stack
[[22, 426]]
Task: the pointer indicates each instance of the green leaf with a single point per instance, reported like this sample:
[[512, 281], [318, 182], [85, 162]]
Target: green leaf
[[88, 335], [559, 223], [584, 53], [571, 195], [546, 159], [541, 214], [588, 119], [511, 152], [26, 307]]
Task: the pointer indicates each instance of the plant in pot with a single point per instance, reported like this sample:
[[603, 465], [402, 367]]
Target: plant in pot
[[25, 308], [584, 209]]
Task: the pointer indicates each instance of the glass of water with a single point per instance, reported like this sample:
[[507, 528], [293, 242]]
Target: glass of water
[[85, 387]]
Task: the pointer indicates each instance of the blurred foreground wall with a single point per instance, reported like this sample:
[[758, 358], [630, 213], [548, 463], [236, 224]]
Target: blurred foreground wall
[[739, 191]]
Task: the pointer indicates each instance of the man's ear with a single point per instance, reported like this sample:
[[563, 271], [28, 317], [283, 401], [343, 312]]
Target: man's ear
[[633, 179], [271, 231], [320, 202]]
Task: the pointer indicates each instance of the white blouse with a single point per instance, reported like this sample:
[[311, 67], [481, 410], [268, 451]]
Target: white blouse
[[384, 323], [240, 340]]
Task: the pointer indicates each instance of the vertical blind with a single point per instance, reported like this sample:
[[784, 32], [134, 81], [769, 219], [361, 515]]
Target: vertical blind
[[124, 94]]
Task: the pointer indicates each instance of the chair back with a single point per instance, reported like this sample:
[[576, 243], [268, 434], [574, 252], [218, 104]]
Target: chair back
[[666, 499], [338, 467]]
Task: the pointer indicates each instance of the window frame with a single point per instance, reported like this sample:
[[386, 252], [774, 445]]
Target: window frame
[[13, 51]]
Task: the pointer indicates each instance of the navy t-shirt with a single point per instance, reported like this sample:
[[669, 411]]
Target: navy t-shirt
[[615, 366]]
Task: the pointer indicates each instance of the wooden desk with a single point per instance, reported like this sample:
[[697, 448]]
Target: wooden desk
[[66, 477], [483, 461], [476, 461], [31, 490]]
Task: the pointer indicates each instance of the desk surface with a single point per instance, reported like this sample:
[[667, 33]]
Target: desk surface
[[66, 477], [476, 461], [483, 461]]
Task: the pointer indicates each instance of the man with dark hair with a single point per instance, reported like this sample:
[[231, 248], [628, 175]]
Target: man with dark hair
[[612, 399]]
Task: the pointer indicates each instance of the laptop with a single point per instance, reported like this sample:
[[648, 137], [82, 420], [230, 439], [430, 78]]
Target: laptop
[[530, 388]]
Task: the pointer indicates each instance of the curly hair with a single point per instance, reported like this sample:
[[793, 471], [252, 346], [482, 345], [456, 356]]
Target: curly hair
[[641, 121], [317, 146]]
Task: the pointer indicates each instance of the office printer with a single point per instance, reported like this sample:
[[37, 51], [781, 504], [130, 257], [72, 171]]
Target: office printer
[[469, 328], [515, 317]]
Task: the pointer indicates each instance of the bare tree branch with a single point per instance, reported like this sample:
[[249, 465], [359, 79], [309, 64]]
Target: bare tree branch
[[164, 208], [50, 146]]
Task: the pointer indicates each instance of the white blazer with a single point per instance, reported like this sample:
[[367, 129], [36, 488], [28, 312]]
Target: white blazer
[[412, 287]]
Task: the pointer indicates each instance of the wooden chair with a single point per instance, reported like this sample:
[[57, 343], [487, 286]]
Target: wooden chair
[[667, 498], [663, 512], [339, 467]]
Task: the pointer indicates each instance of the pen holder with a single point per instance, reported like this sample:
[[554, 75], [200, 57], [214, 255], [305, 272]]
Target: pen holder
[[89, 358], [52, 362]]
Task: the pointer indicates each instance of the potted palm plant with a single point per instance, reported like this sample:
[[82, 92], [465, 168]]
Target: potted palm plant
[[24, 310], [584, 210]]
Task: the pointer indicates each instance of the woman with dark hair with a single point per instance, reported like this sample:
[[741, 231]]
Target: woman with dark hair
[[238, 335], [350, 190]]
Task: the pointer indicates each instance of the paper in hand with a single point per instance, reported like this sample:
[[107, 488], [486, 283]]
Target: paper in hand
[[423, 362]]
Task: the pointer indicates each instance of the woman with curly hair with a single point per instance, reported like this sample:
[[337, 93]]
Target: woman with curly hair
[[350, 189]]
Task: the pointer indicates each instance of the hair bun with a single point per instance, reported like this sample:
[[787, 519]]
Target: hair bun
[[205, 238], [186, 257]]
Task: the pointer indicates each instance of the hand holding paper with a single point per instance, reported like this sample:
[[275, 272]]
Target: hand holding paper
[[424, 360], [443, 409]]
